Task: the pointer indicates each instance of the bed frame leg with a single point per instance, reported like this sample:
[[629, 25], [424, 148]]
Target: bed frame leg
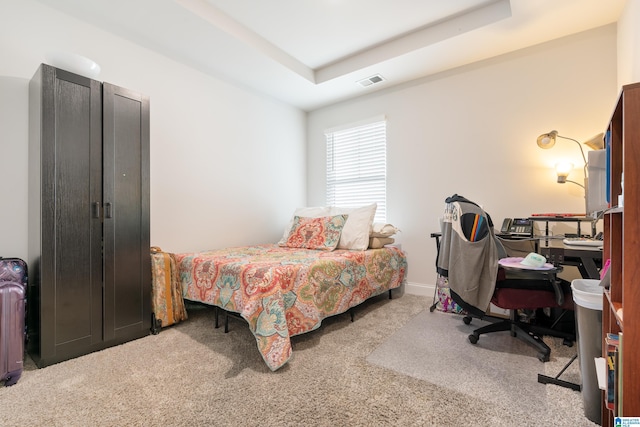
[[215, 310], [226, 322], [390, 297], [156, 324], [351, 314]]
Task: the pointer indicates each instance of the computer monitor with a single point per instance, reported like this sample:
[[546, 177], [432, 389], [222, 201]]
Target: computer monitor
[[596, 185]]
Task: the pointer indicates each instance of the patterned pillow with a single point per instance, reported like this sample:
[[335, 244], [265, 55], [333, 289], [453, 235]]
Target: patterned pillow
[[316, 233]]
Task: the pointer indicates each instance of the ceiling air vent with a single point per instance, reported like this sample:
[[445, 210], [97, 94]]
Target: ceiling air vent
[[371, 80]]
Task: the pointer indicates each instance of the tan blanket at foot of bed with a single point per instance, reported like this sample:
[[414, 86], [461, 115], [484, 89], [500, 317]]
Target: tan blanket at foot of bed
[[166, 299]]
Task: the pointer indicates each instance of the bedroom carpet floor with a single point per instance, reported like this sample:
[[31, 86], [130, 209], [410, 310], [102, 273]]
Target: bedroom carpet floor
[[499, 369], [194, 375]]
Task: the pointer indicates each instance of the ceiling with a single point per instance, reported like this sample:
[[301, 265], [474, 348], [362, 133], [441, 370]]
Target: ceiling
[[311, 53]]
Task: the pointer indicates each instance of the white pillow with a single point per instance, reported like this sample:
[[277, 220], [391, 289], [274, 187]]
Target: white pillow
[[355, 234], [310, 212]]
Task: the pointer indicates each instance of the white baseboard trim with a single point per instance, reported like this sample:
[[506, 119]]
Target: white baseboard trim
[[421, 289]]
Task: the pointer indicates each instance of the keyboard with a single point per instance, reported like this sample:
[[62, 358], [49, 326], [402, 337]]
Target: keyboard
[[582, 241]]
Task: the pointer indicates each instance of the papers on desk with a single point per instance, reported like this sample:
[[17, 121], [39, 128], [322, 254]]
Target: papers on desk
[[582, 241]]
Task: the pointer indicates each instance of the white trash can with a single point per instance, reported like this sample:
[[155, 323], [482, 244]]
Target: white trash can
[[587, 294]]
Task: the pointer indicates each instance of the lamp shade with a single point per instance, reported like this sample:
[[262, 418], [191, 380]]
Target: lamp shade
[[596, 142], [547, 140]]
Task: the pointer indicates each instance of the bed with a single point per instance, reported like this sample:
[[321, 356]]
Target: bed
[[285, 291]]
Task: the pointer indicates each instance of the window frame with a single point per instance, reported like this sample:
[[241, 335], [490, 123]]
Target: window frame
[[361, 169]]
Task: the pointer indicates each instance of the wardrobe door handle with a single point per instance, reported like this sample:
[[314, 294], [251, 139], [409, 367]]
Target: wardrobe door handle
[[108, 210], [96, 209]]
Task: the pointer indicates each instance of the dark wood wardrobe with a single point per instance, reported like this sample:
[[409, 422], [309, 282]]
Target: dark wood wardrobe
[[89, 259]]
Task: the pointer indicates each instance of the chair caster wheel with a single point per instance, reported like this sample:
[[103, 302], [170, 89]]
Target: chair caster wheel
[[466, 320], [543, 357], [567, 342], [473, 338]]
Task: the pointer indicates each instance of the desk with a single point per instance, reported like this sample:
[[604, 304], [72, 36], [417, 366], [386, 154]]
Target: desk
[[577, 219], [588, 259]]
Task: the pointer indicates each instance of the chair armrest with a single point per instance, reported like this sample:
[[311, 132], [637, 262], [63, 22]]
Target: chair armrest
[[529, 278], [555, 284]]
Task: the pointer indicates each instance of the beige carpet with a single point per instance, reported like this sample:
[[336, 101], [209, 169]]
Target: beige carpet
[[192, 374], [498, 368]]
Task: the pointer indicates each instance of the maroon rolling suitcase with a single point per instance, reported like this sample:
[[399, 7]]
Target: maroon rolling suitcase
[[13, 281], [11, 331], [13, 270]]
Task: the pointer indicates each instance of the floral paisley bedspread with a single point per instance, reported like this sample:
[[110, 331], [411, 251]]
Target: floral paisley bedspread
[[282, 292]]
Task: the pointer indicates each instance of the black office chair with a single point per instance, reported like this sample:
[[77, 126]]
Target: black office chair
[[512, 289], [525, 293]]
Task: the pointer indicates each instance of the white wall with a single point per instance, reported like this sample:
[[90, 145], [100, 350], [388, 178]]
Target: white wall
[[629, 44], [227, 165], [472, 131]]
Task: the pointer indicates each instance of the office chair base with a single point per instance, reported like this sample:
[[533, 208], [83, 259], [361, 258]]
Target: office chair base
[[545, 379], [517, 330], [492, 319]]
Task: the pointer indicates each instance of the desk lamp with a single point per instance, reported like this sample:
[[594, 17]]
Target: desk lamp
[[562, 170], [548, 140]]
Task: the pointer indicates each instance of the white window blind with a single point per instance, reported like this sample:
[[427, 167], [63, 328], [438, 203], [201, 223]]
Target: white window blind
[[357, 167]]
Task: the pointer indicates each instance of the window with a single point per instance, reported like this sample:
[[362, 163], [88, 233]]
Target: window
[[357, 166]]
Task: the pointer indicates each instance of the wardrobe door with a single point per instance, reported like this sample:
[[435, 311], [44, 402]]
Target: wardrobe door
[[127, 260], [70, 276]]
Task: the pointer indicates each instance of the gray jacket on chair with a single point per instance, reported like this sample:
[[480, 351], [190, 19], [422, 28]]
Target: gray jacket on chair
[[468, 253]]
